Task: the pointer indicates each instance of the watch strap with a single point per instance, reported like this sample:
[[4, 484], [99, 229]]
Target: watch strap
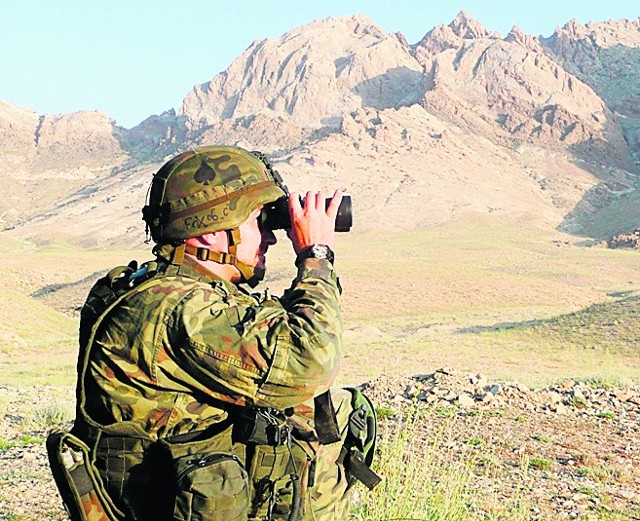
[[315, 251]]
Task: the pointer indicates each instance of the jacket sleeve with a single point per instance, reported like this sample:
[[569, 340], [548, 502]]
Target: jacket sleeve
[[275, 353]]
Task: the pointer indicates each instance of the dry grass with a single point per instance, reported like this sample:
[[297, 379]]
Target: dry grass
[[484, 294]]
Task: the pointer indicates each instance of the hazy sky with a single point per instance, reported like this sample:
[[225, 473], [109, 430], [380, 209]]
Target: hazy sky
[[135, 58]]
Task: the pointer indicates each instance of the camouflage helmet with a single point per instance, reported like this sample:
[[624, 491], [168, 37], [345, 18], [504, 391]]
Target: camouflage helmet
[[208, 189]]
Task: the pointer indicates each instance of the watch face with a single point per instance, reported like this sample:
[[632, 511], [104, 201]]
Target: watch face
[[320, 251], [316, 251]]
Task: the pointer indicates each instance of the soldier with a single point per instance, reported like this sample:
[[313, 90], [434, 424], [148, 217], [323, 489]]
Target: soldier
[[199, 400]]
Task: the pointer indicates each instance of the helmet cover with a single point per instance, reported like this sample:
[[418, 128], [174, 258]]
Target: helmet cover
[[208, 189]]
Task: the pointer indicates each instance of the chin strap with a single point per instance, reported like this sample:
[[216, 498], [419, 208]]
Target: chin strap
[[249, 274]]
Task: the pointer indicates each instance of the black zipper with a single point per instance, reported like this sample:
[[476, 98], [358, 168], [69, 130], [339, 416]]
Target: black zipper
[[195, 464]]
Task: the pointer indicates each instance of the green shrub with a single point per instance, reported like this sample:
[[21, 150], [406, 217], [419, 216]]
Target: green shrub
[[49, 414], [609, 473], [6, 444], [539, 463], [607, 382], [385, 412]]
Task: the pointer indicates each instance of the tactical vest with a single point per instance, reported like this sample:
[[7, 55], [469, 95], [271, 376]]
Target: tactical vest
[[260, 463]]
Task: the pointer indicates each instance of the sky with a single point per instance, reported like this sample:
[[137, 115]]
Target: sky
[[135, 58]]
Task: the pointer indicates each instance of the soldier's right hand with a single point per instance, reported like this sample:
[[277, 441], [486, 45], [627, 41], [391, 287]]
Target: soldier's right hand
[[312, 223]]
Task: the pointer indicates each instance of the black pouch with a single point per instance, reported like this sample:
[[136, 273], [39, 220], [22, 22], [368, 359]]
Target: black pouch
[[262, 426]]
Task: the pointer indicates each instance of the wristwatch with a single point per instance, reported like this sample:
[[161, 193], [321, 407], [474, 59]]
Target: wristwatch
[[315, 251]]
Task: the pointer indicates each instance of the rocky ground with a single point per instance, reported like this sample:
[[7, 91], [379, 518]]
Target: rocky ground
[[624, 240], [570, 451]]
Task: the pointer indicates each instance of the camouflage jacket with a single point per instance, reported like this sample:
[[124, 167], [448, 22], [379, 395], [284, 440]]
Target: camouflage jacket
[[168, 358]]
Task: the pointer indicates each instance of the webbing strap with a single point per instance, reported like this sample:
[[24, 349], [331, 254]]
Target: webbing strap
[[205, 254], [81, 480], [325, 419], [250, 274], [352, 460]]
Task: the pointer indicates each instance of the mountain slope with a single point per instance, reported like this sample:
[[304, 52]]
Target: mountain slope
[[462, 121]]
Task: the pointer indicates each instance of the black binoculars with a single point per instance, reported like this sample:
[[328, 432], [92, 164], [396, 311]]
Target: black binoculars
[[275, 215]]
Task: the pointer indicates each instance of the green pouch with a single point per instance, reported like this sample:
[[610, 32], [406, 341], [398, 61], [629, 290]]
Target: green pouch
[[363, 424], [79, 484], [212, 487], [359, 448]]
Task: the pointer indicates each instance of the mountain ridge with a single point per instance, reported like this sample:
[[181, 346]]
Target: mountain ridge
[[339, 102]]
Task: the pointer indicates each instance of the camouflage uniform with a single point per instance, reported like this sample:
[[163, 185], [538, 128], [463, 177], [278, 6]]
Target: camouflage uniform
[[198, 400], [174, 358]]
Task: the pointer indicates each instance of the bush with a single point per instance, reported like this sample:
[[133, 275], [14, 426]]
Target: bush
[[49, 414], [419, 481]]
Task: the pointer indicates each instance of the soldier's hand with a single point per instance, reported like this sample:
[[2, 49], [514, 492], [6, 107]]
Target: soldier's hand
[[312, 223]]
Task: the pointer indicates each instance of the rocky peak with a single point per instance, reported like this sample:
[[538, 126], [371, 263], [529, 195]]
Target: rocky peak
[[81, 138], [608, 34], [452, 36], [616, 32], [439, 39], [517, 35], [574, 29], [313, 73], [17, 131], [466, 27]]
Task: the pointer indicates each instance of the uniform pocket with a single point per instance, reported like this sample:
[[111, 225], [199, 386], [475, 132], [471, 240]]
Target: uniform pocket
[[211, 487]]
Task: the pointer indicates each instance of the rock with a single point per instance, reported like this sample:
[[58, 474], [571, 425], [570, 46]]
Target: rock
[[411, 391], [478, 379], [567, 384], [465, 400], [578, 395], [554, 397], [450, 396], [485, 397], [558, 408], [495, 389], [29, 456], [628, 494], [623, 394]]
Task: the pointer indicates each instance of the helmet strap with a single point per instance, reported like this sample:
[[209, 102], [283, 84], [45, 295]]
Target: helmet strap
[[177, 257], [249, 274]]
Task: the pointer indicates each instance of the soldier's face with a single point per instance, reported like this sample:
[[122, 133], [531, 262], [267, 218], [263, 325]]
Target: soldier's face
[[254, 241]]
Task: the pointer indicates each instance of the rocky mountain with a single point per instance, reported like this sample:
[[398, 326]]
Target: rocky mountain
[[45, 157], [605, 56], [462, 121]]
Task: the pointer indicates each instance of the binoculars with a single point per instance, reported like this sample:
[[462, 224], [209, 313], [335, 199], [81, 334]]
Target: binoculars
[[275, 215]]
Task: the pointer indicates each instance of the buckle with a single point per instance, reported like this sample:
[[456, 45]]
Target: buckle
[[227, 258], [203, 254]]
